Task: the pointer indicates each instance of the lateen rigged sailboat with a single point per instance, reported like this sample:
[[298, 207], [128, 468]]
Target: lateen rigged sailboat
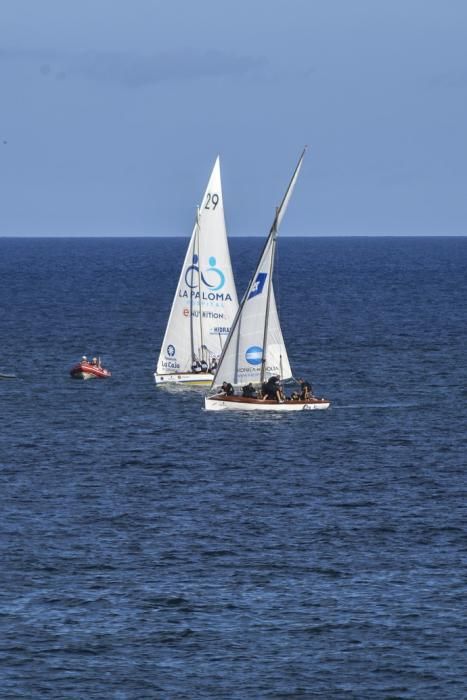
[[255, 349], [205, 302]]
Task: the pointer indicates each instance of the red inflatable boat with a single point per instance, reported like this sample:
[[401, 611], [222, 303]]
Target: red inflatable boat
[[88, 370]]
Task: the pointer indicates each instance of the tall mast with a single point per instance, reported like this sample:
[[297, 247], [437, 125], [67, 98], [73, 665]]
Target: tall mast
[[199, 285], [273, 236], [192, 340]]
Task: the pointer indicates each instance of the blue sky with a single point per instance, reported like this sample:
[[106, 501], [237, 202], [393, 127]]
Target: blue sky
[[112, 113]]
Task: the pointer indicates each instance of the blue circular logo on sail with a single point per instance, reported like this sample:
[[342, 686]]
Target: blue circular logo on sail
[[212, 276], [254, 355], [170, 350]]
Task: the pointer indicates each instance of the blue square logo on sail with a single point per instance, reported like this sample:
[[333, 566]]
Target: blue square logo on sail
[[254, 355], [258, 285]]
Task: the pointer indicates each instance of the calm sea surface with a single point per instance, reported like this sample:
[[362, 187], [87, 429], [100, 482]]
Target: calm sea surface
[[149, 549]]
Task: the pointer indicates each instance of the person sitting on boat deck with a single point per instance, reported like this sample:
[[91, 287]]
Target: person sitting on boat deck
[[213, 365], [294, 396], [84, 358], [227, 389], [204, 366], [268, 389], [94, 362], [306, 390], [281, 390], [249, 391], [196, 366], [273, 390]]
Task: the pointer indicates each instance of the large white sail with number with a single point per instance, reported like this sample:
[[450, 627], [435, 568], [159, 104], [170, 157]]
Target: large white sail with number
[[205, 301]]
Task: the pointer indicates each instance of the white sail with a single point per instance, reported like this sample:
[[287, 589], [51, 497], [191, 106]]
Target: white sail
[[243, 355], [205, 301], [255, 348], [285, 202]]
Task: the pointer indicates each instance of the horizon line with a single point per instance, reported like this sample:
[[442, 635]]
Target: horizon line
[[177, 236]]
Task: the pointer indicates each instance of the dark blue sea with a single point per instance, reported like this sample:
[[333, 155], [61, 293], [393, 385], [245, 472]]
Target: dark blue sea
[[150, 550]]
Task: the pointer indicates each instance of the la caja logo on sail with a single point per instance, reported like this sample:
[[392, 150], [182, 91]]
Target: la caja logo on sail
[[212, 277], [258, 285], [170, 361]]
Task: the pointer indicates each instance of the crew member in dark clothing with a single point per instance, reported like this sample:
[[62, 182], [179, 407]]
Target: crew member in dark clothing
[[204, 366], [249, 391], [273, 390], [196, 367], [227, 389], [306, 390]]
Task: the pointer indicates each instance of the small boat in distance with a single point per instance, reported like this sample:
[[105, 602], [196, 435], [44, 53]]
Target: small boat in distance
[[205, 301], [254, 354], [88, 369]]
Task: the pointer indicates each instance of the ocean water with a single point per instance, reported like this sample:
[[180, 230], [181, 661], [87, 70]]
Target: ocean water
[[149, 549]]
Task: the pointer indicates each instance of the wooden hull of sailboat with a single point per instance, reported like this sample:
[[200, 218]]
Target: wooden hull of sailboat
[[240, 403], [185, 378]]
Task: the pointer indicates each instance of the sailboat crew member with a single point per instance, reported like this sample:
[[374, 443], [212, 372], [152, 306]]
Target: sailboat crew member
[[249, 391], [196, 367], [272, 390], [306, 389]]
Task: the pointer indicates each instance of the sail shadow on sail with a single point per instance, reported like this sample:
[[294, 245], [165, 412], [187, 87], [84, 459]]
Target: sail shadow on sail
[[254, 355], [205, 301]]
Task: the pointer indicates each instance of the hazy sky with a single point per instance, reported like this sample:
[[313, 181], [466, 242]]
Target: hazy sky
[[112, 113]]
